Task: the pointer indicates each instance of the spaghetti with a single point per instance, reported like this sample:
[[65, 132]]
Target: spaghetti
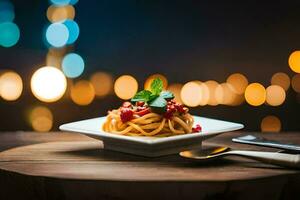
[[160, 116]]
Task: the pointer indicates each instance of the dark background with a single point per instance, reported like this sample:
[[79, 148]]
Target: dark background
[[184, 40]]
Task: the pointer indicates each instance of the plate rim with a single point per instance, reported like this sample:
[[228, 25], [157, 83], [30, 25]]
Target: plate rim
[[137, 139]]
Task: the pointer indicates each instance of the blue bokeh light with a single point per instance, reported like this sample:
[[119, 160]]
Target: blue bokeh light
[[7, 13], [57, 34], [73, 30], [60, 2], [9, 34], [73, 2], [72, 65]]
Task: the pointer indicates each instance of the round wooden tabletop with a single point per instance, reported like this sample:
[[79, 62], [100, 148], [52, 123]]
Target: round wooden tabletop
[[73, 161]]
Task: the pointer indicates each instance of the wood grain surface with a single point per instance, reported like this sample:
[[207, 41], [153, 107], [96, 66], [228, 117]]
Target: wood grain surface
[[75, 167]]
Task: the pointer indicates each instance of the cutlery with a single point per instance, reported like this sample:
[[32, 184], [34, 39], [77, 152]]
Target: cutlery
[[275, 158], [260, 141]]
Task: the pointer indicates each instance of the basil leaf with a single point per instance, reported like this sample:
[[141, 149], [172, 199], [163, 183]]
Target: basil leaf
[[167, 95], [158, 105], [143, 95], [156, 86]]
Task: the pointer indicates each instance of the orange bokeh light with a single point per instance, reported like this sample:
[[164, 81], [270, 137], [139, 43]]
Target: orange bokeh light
[[41, 119], [238, 82], [191, 94], [275, 95], [294, 61], [296, 83], [11, 86], [212, 86], [102, 82], [82, 93], [281, 79], [255, 94], [125, 87], [270, 124], [59, 13], [176, 89]]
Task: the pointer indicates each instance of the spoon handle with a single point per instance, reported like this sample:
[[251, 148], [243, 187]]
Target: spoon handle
[[281, 159]]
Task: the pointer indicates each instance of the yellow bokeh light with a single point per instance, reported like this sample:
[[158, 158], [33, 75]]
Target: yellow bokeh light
[[225, 94], [102, 82], [48, 84], [255, 94], [154, 76], [176, 89], [59, 13], [191, 94], [270, 124], [125, 87], [294, 61], [238, 82], [82, 93], [54, 57], [41, 119], [281, 79], [11, 86], [275, 95], [296, 83], [212, 86]]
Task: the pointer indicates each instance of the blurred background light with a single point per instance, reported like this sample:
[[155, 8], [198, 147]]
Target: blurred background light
[[275, 95], [175, 88], [73, 2], [57, 14], [57, 34], [48, 84], [125, 87], [73, 30], [54, 57], [296, 83], [11, 86], [41, 119], [270, 123], [191, 94], [7, 13], [238, 82], [225, 94], [82, 93], [9, 34], [102, 83], [255, 94], [60, 2], [204, 93], [294, 61], [72, 65], [281, 79], [149, 80], [212, 86]]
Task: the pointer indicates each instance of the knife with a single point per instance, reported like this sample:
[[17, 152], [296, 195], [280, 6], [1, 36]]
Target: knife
[[260, 141]]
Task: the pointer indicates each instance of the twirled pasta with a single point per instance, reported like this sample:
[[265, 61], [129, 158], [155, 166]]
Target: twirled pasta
[[151, 124]]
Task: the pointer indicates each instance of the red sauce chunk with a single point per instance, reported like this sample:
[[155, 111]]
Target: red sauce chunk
[[197, 128], [126, 114]]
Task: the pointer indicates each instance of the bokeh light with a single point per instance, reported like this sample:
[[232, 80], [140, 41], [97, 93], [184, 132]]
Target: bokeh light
[[57, 34], [60, 13], [11, 86], [48, 84], [270, 123], [73, 30], [294, 61], [102, 83], [125, 87], [9, 34], [225, 94], [296, 83], [72, 65], [281, 79], [41, 119], [60, 2], [238, 82], [82, 93], [255, 94], [154, 76], [212, 86], [175, 88], [7, 13], [54, 57], [191, 94], [275, 95]]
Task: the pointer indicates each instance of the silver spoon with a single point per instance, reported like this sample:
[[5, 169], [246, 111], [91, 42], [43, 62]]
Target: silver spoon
[[274, 158]]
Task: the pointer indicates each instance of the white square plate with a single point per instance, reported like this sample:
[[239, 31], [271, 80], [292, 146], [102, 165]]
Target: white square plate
[[151, 146]]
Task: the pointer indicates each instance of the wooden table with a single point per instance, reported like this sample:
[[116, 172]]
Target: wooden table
[[62, 165]]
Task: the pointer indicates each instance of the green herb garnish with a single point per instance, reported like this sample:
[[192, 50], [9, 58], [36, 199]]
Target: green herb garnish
[[155, 98]]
